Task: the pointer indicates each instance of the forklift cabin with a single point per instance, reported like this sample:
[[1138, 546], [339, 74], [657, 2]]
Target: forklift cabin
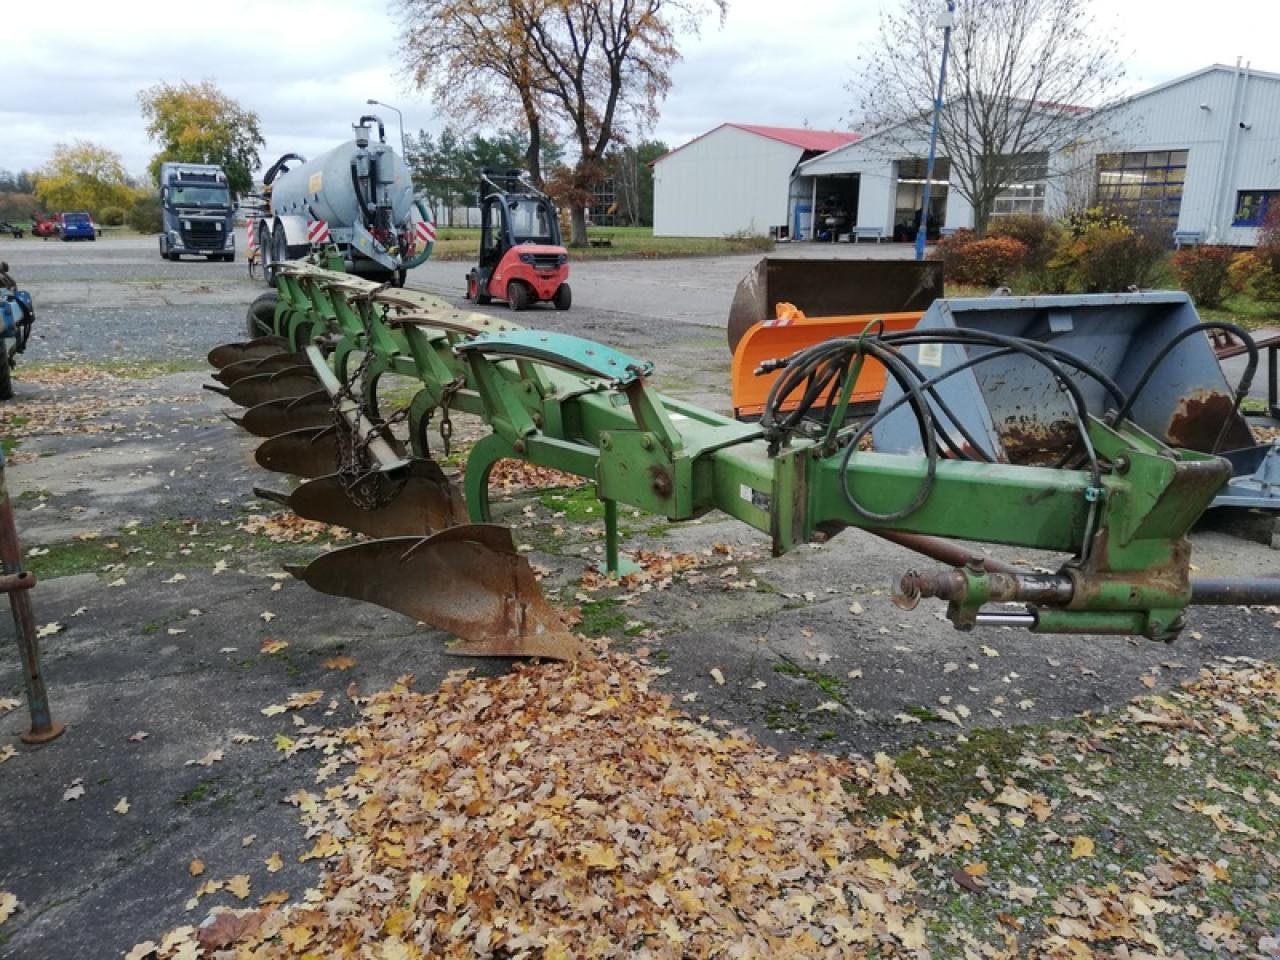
[[522, 259]]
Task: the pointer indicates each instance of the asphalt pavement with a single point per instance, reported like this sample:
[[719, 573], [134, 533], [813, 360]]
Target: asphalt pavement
[[166, 604]]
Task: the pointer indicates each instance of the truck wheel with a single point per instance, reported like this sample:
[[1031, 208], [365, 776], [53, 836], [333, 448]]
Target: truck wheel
[[6, 375], [260, 321], [563, 298], [517, 295]]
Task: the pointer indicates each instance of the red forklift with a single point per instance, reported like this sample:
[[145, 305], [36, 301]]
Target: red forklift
[[522, 259]]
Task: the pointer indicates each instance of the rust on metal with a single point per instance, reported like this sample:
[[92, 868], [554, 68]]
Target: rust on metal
[[229, 353], [423, 501], [307, 452], [467, 580], [289, 382], [314, 409], [944, 551], [1197, 422], [273, 363], [17, 583], [1026, 441]]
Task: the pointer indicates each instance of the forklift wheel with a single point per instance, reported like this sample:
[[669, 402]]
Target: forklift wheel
[[517, 295], [563, 298]]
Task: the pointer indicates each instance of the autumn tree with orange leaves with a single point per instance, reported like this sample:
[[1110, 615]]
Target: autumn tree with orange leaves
[[592, 68]]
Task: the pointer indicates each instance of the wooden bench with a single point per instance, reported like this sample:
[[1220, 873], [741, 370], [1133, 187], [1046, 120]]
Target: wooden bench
[[600, 241], [1187, 238], [868, 233]]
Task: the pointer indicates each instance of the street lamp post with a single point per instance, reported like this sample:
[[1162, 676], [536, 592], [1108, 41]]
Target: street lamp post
[[922, 232], [404, 151]]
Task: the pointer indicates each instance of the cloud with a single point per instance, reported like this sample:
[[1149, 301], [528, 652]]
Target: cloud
[[307, 66]]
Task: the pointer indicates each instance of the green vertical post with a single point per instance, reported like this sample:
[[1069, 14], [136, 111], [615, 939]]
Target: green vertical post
[[615, 565]]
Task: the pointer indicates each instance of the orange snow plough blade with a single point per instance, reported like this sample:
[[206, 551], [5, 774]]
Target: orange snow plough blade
[[760, 343]]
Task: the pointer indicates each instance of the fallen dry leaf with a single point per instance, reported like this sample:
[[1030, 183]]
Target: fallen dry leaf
[[8, 905], [273, 646], [122, 807], [238, 886], [195, 867], [341, 662]]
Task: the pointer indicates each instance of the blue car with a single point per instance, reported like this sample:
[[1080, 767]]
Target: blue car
[[78, 226]]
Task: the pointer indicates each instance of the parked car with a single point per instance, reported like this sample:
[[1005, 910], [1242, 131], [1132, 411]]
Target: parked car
[[12, 229], [78, 225], [46, 227]]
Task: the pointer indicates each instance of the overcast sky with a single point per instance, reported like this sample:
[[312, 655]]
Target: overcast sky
[[72, 69]]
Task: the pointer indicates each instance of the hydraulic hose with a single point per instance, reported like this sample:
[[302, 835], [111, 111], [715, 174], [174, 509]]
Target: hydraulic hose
[[421, 257]]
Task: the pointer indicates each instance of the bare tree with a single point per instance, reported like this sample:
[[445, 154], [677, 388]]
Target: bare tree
[[1022, 80], [476, 61], [591, 67]]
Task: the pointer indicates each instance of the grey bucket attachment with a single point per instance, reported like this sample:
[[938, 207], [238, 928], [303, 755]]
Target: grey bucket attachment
[[1011, 405]]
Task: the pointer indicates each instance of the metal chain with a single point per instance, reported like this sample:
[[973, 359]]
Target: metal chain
[[365, 485], [446, 401]]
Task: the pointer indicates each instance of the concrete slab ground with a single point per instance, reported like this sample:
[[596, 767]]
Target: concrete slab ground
[[176, 629]]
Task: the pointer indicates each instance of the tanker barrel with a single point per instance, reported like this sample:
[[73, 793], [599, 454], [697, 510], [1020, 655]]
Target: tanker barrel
[[832, 288]]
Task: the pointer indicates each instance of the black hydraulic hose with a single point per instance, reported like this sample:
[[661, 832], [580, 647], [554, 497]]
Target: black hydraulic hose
[[1242, 388], [279, 167], [808, 364], [382, 133], [360, 201]]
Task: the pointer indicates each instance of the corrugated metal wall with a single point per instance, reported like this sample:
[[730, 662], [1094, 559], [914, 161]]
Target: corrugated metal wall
[[727, 182]]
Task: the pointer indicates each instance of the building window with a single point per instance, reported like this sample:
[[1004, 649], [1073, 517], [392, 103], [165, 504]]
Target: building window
[[1144, 187], [1024, 195], [1252, 207], [1020, 199]]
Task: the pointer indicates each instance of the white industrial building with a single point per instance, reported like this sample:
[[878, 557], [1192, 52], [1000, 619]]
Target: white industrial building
[[1198, 157], [726, 181]]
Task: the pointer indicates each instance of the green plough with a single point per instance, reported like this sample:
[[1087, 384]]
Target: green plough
[[1121, 505]]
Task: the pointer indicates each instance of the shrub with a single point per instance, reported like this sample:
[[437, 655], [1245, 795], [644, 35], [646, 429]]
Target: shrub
[[949, 247], [1079, 222], [111, 216], [1250, 274], [1268, 249], [1106, 258], [1039, 235], [1204, 273], [989, 262], [144, 215]]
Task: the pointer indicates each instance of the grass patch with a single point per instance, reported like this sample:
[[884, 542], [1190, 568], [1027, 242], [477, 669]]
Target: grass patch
[[830, 685], [203, 790], [1244, 310], [602, 616], [578, 504], [170, 541], [463, 243]]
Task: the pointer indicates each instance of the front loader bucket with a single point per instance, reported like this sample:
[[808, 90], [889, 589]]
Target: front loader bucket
[[468, 580], [1012, 406], [230, 353], [761, 343], [832, 288], [308, 452], [314, 409], [272, 363], [289, 382], [422, 500]]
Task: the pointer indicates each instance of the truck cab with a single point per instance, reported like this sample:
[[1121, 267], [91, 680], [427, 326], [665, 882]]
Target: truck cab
[[197, 212]]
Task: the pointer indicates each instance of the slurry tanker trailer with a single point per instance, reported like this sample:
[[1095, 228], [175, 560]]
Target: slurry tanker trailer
[[356, 198]]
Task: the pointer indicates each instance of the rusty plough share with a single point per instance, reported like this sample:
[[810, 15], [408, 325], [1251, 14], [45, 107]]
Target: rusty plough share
[[1121, 503]]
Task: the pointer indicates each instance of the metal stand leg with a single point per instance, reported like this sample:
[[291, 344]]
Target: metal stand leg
[[614, 565], [16, 583]]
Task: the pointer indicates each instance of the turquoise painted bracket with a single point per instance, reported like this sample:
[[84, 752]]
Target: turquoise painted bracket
[[562, 350]]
